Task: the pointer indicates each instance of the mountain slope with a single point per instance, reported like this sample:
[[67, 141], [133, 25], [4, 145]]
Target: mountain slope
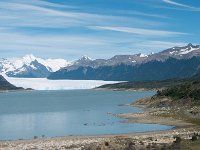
[[184, 52], [33, 70], [151, 85], [116, 60], [5, 85], [162, 65], [153, 70], [31, 66], [176, 62]]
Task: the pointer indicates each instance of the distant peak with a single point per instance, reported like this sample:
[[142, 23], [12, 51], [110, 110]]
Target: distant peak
[[29, 58], [190, 45], [85, 58]]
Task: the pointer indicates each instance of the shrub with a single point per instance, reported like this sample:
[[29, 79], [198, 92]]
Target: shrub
[[106, 144], [177, 139], [194, 138]]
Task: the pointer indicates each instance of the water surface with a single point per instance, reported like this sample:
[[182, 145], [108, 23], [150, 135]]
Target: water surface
[[24, 115]]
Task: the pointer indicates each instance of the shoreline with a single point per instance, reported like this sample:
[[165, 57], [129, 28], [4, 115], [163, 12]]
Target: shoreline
[[124, 89], [17, 90], [141, 139], [81, 142], [147, 118]]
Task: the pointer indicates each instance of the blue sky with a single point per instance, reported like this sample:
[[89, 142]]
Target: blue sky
[[97, 28]]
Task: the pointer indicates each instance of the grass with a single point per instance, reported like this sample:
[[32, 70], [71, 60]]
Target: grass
[[190, 145], [193, 121]]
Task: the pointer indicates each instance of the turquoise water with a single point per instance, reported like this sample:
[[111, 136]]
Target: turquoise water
[[24, 115]]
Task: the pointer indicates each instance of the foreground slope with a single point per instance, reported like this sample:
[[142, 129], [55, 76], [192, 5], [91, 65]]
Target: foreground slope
[[5, 85], [179, 101]]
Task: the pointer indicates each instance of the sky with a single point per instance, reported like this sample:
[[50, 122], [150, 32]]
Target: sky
[[70, 29]]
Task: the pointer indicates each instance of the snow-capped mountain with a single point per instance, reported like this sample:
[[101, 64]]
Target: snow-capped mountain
[[184, 52], [86, 61], [31, 66], [126, 59], [171, 63]]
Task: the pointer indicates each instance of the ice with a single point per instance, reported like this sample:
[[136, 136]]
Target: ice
[[45, 84]]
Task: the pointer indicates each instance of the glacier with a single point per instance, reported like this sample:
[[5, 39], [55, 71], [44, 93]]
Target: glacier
[[45, 84]]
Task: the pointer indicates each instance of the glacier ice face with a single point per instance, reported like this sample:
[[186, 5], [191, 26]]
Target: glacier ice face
[[45, 84]]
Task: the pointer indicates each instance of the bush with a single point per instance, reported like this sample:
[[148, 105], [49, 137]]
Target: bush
[[194, 138], [178, 139], [106, 144]]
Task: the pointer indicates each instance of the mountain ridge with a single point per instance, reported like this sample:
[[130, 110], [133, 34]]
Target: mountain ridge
[[30, 66], [176, 52], [174, 62], [152, 70]]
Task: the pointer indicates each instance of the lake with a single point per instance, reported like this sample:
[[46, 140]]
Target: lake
[[24, 115]]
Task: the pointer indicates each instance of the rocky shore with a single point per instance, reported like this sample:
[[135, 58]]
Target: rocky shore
[[158, 140], [170, 139]]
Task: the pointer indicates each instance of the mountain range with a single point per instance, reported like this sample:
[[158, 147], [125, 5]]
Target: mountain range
[[30, 66], [175, 62], [170, 63], [184, 52]]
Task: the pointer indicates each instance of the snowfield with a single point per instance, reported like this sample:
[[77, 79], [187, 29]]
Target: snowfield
[[45, 84]]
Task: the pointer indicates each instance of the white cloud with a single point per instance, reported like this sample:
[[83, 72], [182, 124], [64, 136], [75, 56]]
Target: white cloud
[[43, 3], [57, 45], [139, 13], [175, 3], [146, 14], [33, 14], [47, 40], [29, 26], [139, 31], [158, 45], [171, 2]]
